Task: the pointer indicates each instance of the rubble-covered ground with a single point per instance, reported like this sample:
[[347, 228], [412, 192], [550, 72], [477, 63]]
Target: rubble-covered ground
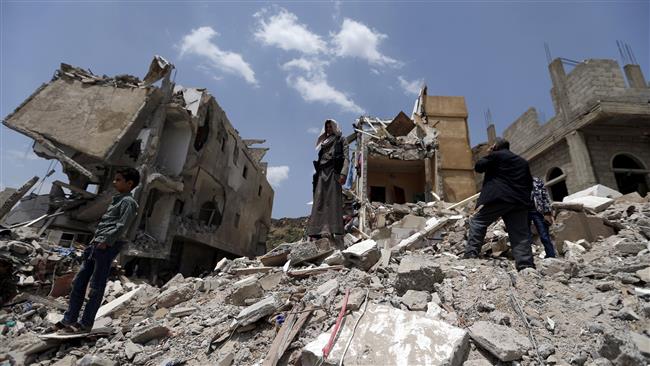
[[419, 303]]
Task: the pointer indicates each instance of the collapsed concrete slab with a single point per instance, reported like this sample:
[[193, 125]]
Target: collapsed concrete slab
[[597, 190], [418, 272], [592, 203], [573, 226], [503, 342], [389, 336]]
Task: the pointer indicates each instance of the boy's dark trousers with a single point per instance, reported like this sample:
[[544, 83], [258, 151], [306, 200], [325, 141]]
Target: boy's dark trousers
[[95, 269]]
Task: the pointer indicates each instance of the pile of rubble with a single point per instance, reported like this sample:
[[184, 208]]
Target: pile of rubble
[[402, 295], [34, 265]]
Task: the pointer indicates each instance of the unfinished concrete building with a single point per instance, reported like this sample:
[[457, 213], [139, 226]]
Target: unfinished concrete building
[[424, 157], [600, 133], [203, 193]]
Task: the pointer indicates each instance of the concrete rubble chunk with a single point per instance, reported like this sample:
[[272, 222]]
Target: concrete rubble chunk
[[362, 255], [503, 342], [390, 336], [258, 310], [278, 256], [174, 281], [310, 250], [627, 246], [335, 258], [574, 226], [95, 360], [355, 300], [642, 342], [271, 281], [175, 295], [323, 293], [597, 190], [66, 361], [644, 274], [593, 203], [418, 272], [117, 303], [131, 349], [181, 312], [146, 333], [551, 266], [247, 288], [416, 300]]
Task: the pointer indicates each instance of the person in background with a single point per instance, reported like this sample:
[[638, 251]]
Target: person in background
[[326, 219], [541, 216]]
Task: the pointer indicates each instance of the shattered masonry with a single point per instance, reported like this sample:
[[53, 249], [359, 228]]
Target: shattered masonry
[[426, 157], [203, 193]]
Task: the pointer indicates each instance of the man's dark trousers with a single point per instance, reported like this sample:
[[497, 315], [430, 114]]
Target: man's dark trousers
[[515, 217], [542, 229], [95, 269]]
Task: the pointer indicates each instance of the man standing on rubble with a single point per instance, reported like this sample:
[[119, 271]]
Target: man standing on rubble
[[326, 219], [506, 191], [541, 215], [100, 253]]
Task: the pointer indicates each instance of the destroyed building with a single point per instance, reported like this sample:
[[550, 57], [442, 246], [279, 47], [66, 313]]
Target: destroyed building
[[600, 133], [424, 157], [203, 194]]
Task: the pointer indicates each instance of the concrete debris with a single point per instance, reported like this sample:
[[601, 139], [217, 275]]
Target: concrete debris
[[362, 255], [389, 336], [175, 295], [418, 272], [258, 310], [501, 341], [310, 251], [416, 300], [146, 333], [415, 303]]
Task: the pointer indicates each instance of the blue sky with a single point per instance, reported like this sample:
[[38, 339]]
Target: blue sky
[[280, 69]]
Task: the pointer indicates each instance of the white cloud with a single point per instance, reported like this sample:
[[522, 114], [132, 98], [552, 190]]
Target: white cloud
[[277, 174], [198, 42], [283, 30], [411, 87], [313, 130], [308, 77], [357, 40]]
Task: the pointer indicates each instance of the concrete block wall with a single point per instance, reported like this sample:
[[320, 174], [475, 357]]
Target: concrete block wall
[[593, 80], [524, 131], [603, 148], [558, 156]]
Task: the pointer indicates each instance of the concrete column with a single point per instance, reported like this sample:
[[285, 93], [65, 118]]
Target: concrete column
[[492, 134], [428, 180], [635, 77], [584, 171], [558, 77]]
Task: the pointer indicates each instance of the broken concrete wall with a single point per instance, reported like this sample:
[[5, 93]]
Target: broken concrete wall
[[87, 118], [200, 183]]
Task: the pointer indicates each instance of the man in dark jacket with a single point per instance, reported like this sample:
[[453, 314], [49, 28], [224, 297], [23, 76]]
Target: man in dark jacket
[[507, 185]]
